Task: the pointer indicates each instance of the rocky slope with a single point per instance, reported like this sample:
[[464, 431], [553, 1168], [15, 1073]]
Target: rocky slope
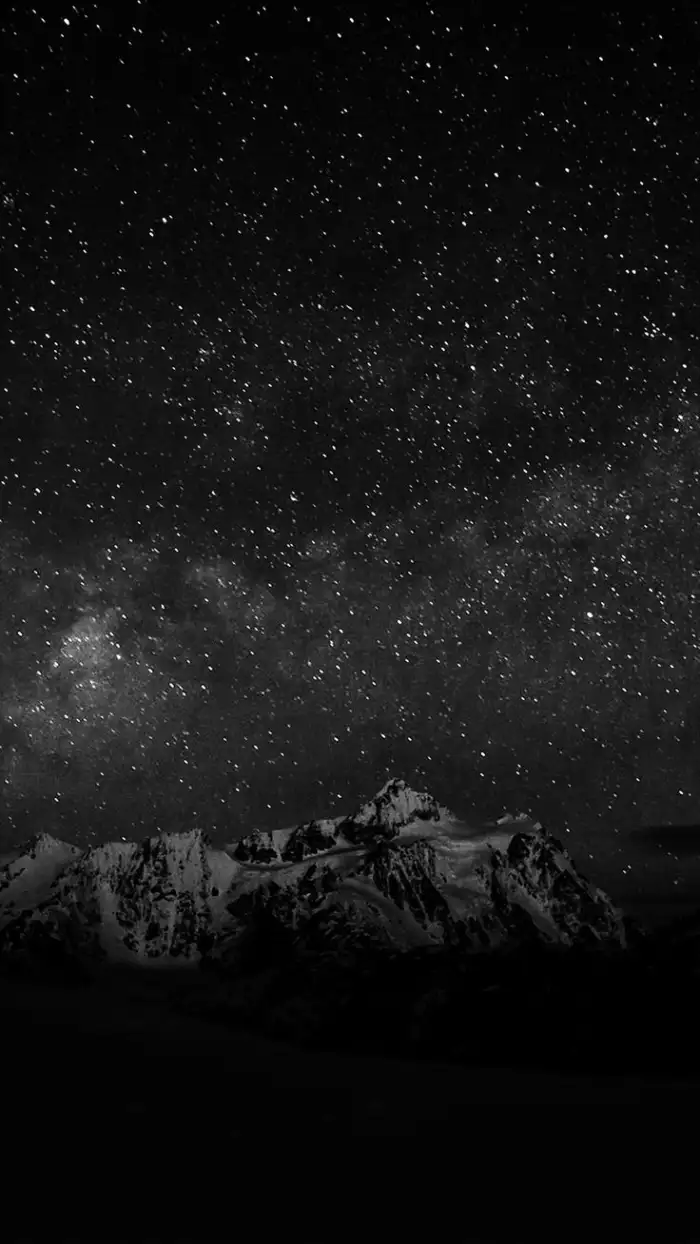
[[401, 873]]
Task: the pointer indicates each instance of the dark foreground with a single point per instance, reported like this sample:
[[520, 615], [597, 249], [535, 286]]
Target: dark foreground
[[123, 1120], [121, 1056]]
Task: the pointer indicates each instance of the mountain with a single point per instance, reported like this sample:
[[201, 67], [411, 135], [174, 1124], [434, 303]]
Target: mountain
[[398, 929], [28, 873], [147, 902], [400, 873]]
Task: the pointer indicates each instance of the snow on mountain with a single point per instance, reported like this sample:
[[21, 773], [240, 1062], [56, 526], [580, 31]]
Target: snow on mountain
[[150, 901], [401, 872], [395, 808], [28, 873], [416, 878]]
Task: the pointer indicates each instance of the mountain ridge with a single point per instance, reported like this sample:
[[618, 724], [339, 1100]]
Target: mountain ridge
[[400, 872], [397, 929]]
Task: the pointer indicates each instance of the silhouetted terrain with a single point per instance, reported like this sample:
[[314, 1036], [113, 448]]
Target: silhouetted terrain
[[121, 1039]]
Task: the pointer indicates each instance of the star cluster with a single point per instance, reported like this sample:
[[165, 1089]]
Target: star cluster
[[350, 419]]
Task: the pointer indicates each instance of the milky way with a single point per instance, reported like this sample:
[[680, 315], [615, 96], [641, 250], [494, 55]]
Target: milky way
[[350, 422]]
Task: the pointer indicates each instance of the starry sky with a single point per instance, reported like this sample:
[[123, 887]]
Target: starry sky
[[350, 419]]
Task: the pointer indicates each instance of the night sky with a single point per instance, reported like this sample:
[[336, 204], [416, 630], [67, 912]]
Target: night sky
[[350, 419]]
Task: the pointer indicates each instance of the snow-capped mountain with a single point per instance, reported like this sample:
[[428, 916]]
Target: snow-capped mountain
[[28, 873], [136, 902], [400, 873]]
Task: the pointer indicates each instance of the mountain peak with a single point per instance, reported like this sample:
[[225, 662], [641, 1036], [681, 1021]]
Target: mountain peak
[[43, 844], [392, 808]]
